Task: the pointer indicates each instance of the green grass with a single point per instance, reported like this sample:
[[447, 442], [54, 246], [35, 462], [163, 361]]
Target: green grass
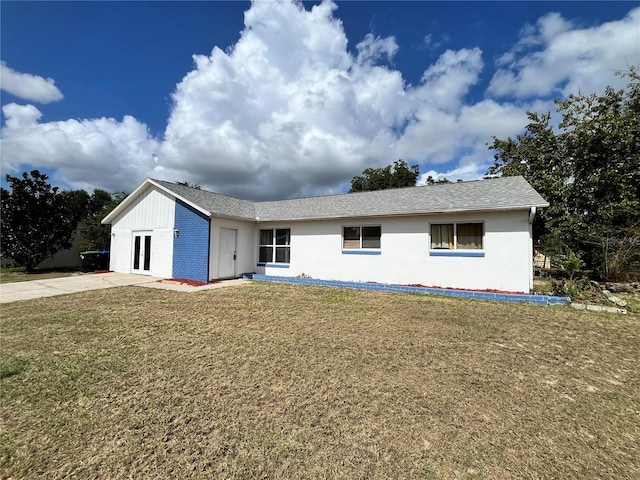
[[18, 274], [283, 381], [12, 366]]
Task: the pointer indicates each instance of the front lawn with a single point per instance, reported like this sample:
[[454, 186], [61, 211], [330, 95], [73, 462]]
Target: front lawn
[[283, 381], [18, 274]]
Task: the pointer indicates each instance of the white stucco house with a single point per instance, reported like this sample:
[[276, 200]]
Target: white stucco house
[[470, 235]]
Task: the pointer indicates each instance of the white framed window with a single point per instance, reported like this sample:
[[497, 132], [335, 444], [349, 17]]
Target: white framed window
[[274, 245], [361, 237], [457, 236]]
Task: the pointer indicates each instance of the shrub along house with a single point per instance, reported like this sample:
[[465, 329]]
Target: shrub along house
[[473, 235]]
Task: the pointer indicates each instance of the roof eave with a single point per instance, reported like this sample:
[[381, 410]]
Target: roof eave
[[204, 211], [405, 214], [233, 217], [137, 192], [123, 205]]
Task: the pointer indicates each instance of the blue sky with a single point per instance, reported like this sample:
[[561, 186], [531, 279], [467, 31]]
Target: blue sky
[[278, 99]]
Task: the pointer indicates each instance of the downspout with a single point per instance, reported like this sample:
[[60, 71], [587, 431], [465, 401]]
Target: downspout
[[532, 214]]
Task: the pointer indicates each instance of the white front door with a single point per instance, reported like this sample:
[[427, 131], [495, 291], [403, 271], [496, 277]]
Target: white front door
[[141, 258], [227, 253]]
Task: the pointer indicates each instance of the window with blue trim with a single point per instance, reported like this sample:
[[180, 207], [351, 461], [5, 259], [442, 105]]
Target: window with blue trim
[[274, 246], [361, 237], [457, 236]]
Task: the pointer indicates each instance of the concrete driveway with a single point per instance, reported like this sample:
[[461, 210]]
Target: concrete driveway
[[13, 292]]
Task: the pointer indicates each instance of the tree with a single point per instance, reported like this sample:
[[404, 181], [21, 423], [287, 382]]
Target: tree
[[397, 175], [589, 171], [76, 205], [96, 236], [432, 181], [98, 201], [189, 184], [38, 220]]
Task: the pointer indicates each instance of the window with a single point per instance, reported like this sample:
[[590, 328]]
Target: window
[[274, 246], [361, 237], [442, 236], [469, 236], [457, 236]]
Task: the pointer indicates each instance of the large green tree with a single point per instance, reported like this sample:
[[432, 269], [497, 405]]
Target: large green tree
[[588, 169], [96, 236], [392, 176], [38, 220]]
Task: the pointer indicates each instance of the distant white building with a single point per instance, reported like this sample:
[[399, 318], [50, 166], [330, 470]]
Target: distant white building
[[473, 235]]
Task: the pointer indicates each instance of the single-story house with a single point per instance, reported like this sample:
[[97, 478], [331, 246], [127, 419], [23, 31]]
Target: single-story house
[[472, 235]]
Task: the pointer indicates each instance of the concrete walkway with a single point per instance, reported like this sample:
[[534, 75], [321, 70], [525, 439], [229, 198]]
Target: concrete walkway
[[13, 292]]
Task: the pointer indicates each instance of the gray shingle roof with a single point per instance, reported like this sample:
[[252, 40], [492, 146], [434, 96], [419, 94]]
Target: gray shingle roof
[[217, 204], [505, 193]]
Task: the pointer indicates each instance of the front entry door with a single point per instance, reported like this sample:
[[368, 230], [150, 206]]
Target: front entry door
[[141, 252], [227, 253]]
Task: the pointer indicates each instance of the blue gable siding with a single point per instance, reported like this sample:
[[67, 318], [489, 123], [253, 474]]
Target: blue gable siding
[[191, 246]]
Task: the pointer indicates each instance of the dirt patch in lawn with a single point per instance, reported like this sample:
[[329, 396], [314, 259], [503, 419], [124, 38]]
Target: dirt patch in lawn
[[286, 381]]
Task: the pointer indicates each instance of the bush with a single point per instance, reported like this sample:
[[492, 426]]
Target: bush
[[570, 288], [572, 265]]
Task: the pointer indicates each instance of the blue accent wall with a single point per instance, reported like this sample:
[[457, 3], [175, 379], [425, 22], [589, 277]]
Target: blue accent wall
[[191, 246]]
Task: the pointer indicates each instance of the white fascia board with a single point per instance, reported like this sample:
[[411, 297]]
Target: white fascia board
[[182, 199], [130, 198], [138, 191]]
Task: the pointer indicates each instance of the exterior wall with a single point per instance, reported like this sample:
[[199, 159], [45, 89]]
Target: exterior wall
[[191, 245], [153, 211], [404, 257], [246, 246]]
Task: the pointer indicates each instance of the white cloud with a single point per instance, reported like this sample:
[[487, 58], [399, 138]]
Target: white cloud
[[288, 111], [28, 87], [287, 107], [99, 153], [305, 119], [553, 57], [20, 116], [373, 48], [447, 81], [465, 172]]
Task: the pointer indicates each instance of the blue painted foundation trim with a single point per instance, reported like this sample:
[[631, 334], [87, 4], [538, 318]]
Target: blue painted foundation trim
[[454, 253], [385, 287], [273, 265], [361, 252]]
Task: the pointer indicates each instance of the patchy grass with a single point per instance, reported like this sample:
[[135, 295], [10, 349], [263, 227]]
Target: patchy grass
[[283, 381], [542, 285], [18, 274], [592, 295]]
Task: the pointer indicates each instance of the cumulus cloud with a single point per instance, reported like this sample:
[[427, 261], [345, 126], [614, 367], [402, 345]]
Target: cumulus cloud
[[98, 153], [26, 86], [304, 119], [289, 110], [20, 116], [554, 57], [371, 49]]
